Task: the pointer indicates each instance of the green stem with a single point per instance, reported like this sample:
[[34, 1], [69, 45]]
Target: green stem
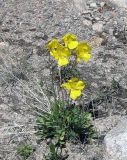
[[51, 73], [59, 68]]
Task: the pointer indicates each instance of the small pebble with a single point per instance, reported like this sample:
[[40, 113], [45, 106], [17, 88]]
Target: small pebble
[[102, 4], [98, 27], [93, 5], [97, 18], [49, 140], [4, 45], [87, 22]]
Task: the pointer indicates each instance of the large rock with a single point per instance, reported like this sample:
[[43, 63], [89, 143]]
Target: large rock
[[3, 46], [120, 3], [80, 5], [116, 142]]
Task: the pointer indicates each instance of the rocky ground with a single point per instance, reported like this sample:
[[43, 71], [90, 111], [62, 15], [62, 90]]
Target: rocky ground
[[25, 26]]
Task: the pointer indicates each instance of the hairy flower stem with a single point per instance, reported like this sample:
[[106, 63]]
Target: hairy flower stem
[[51, 73], [67, 98], [59, 68]]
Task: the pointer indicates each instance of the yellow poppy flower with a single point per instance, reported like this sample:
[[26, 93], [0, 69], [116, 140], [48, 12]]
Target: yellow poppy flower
[[83, 52], [52, 45], [61, 54], [74, 86], [70, 41]]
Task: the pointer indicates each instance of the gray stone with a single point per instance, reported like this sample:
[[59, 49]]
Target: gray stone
[[4, 45], [41, 151], [87, 22], [98, 27], [120, 3], [97, 18], [102, 4], [80, 5], [93, 5], [116, 142]]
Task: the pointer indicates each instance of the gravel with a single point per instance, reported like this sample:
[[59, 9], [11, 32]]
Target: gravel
[[25, 27]]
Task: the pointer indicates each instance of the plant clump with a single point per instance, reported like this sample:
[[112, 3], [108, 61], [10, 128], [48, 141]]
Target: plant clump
[[25, 151], [67, 119]]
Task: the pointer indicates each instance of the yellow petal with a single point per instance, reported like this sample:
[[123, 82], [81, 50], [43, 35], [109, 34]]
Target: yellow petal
[[65, 39], [84, 45], [53, 44], [74, 79], [51, 53], [66, 36], [86, 57], [78, 59], [75, 94], [54, 54], [65, 52], [80, 85], [73, 36], [66, 86], [63, 61], [72, 44]]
